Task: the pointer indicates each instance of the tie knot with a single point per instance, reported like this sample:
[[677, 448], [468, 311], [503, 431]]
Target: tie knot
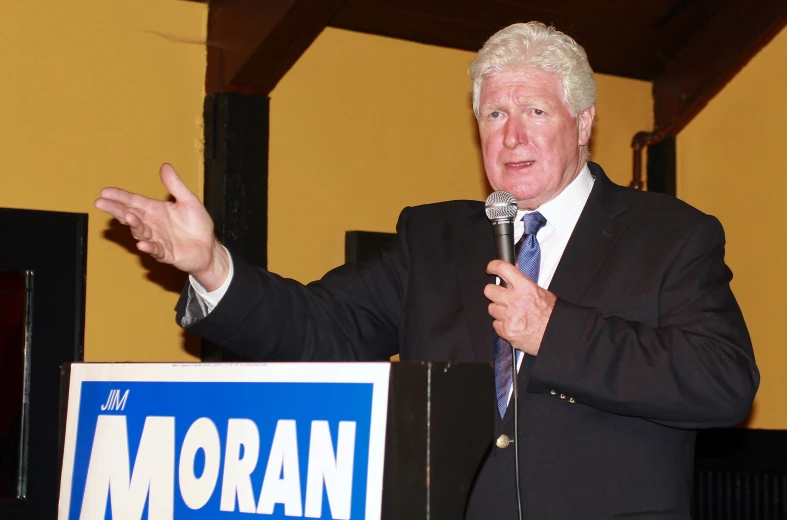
[[533, 222]]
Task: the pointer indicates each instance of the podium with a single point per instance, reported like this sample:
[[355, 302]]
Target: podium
[[377, 441]]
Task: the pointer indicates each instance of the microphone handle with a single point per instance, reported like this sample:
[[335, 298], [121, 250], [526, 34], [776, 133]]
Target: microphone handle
[[503, 231]]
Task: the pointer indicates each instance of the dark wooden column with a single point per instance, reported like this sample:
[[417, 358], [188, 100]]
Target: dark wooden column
[[236, 180], [236, 172], [251, 46], [662, 167]]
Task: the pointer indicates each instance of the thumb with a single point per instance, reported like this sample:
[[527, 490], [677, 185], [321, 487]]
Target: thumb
[[504, 270], [175, 186]]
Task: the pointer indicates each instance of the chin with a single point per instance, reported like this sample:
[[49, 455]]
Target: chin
[[523, 193], [521, 187]]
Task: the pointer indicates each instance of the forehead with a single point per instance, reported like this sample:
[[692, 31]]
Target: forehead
[[521, 84]]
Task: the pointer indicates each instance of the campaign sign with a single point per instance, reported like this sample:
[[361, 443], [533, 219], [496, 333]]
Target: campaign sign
[[215, 441]]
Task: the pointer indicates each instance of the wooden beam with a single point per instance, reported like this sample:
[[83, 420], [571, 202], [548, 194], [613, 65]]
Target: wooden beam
[[253, 43], [712, 58], [467, 24]]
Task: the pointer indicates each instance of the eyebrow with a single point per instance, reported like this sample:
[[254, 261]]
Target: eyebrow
[[488, 106], [529, 101]]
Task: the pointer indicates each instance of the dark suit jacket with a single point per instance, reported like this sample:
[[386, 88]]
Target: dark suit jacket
[[645, 344]]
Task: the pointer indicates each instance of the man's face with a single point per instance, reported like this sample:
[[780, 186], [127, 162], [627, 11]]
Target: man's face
[[532, 146]]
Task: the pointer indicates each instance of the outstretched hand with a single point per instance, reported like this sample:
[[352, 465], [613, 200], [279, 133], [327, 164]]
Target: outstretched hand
[[178, 233], [521, 311]]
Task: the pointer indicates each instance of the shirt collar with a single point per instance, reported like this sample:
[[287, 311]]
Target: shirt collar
[[559, 210]]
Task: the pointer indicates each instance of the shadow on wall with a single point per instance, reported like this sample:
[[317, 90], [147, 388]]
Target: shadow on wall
[[165, 276]]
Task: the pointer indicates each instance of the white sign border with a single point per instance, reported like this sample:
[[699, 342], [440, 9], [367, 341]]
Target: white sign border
[[378, 374]]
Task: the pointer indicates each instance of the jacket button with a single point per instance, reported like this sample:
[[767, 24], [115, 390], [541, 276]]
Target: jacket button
[[572, 400], [552, 392], [562, 396], [503, 441]]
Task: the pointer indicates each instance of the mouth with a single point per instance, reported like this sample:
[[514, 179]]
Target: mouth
[[519, 165]]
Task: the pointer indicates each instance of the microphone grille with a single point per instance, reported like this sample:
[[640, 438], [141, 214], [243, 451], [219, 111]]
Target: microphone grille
[[501, 205]]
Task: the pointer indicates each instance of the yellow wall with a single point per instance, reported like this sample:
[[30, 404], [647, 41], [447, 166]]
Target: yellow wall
[[362, 126], [98, 93], [101, 93], [731, 164]]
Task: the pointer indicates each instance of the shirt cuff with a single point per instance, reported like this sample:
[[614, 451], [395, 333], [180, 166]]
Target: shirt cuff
[[211, 299]]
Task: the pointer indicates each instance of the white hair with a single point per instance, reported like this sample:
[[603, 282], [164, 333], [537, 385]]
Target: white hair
[[533, 44]]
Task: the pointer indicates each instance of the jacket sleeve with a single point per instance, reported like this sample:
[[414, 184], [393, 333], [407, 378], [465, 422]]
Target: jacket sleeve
[[352, 313], [695, 369]]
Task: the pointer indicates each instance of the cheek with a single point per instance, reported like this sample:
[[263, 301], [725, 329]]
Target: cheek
[[489, 148], [560, 144]]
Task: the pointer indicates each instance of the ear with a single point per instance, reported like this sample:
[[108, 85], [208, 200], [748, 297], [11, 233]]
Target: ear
[[585, 124]]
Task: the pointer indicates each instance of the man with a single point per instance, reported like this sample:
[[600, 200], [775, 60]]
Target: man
[[621, 304]]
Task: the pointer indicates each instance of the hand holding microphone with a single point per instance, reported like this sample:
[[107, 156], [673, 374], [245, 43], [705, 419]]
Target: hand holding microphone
[[521, 309]]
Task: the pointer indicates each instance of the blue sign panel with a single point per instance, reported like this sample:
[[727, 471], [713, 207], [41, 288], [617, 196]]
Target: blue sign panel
[[205, 441]]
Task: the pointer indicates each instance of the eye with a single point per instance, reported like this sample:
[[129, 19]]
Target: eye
[[494, 114], [538, 112]]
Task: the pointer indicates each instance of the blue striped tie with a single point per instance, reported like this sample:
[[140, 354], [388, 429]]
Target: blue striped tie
[[529, 262]]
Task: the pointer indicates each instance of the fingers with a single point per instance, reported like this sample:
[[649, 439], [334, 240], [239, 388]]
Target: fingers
[[139, 230], [174, 185], [153, 249], [133, 221], [117, 202], [494, 292], [501, 331], [505, 325], [497, 311], [506, 271], [114, 209], [124, 215], [126, 198], [125, 207]]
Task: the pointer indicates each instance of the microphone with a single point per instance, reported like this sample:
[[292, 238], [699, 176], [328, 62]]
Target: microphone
[[501, 209]]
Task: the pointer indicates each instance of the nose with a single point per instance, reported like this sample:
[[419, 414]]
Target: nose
[[514, 133]]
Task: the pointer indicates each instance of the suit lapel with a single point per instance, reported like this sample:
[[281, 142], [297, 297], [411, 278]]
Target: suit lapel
[[595, 235], [474, 249]]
